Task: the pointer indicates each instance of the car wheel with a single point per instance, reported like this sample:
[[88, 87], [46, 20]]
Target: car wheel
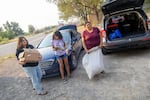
[[74, 60], [104, 51]]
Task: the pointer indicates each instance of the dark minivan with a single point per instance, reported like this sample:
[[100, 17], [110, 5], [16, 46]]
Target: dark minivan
[[126, 25]]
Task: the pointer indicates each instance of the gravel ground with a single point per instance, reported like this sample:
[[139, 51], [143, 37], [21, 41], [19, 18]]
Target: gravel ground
[[127, 78]]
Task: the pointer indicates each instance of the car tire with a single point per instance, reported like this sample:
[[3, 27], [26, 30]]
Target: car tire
[[104, 51], [74, 60]]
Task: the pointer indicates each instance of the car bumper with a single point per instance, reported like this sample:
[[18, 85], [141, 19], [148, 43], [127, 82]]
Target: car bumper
[[53, 70], [127, 45]]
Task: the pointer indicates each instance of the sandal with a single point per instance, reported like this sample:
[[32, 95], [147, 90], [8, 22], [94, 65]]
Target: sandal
[[34, 88], [103, 72], [65, 81], [68, 77], [43, 93]]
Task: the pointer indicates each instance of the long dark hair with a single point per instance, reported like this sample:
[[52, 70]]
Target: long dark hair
[[19, 42], [57, 33]]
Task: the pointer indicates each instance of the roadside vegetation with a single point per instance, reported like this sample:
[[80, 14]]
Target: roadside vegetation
[[6, 57], [11, 30]]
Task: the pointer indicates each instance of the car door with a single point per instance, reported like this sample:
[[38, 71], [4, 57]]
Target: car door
[[76, 41]]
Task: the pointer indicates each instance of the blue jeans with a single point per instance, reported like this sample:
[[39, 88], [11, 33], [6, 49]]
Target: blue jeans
[[35, 73], [62, 56]]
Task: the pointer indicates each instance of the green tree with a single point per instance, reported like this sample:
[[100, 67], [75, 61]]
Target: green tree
[[8, 33], [1, 29], [31, 29], [16, 28], [80, 8], [11, 30]]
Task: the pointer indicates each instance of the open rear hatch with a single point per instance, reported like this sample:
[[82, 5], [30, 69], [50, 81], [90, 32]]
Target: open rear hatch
[[117, 5], [125, 25]]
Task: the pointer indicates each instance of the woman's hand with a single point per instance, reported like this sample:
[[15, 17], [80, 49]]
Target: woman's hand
[[40, 58], [100, 46], [87, 51], [55, 48], [67, 51], [22, 61], [58, 48]]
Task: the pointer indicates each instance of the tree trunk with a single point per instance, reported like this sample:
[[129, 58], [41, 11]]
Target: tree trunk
[[85, 14], [97, 14]]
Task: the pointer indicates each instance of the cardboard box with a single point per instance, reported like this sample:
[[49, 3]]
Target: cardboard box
[[30, 55]]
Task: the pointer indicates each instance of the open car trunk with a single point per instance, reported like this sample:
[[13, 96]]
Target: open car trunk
[[125, 25], [111, 6]]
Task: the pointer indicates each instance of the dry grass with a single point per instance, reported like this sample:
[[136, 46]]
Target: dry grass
[[6, 57], [15, 39]]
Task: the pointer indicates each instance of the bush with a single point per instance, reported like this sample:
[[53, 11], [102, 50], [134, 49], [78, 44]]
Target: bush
[[5, 39], [8, 35], [1, 39]]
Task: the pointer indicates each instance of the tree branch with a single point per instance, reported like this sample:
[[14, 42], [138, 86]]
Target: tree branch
[[85, 5]]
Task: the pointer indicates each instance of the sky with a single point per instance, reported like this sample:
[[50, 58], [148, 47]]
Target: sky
[[38, 13]]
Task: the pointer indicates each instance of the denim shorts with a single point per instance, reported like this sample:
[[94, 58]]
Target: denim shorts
[[62, 56]]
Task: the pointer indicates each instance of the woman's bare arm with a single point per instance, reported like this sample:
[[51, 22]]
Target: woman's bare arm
[[84, 46], [101, 40]]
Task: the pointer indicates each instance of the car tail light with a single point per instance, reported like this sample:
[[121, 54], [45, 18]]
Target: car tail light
[[148, 22], [103, 33], [146, 39]]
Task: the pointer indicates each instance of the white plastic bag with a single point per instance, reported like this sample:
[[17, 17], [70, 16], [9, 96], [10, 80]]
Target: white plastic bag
[[93, 62]]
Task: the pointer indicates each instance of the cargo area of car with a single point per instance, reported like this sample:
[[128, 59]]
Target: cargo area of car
[[125, 25]]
